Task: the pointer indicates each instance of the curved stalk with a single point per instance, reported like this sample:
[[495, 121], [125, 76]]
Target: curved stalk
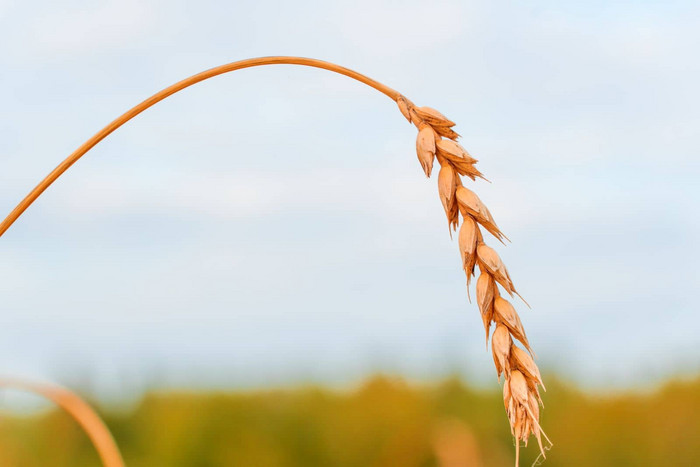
[[81, 412], [436, 141], [89, 144]]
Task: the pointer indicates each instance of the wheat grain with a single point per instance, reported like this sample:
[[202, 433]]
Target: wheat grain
[[425, 148], [437, 140]]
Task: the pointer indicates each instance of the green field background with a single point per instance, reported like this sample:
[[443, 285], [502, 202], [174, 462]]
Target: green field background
[[383, 422]]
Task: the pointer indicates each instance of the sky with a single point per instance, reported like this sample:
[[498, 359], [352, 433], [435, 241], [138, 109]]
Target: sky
[[273, 226]]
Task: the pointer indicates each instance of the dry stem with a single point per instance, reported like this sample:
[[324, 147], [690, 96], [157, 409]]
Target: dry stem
[[121, 120]]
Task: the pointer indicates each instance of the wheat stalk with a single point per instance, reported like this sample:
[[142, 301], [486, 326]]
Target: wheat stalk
[[81, 412], [437, 140]]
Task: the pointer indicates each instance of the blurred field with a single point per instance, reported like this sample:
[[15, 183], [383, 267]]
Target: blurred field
[[385, 422]]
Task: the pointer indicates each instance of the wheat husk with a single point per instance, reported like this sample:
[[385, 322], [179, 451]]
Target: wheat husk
[[485, 290], [472, 205], [524, 362], [425, 148], [461, 160], [500, 346], [493, 264], [447, 187], [454, 151], [505, 313], [518, 387], [467, 246], [447, 132], [507, 399], [432, 117]]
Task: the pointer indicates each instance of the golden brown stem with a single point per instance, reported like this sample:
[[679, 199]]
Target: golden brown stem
[[251, 62], [81, 412]]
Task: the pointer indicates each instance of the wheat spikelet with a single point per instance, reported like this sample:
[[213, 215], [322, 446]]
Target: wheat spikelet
[[437, 140]]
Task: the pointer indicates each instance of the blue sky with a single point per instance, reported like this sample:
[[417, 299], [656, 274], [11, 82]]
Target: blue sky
[[273, 225]]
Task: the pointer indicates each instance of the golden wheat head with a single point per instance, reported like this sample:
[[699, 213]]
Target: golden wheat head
[[437, 140]]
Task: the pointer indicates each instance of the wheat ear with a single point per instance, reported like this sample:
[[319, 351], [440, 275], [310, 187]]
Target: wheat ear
[[437, 140], [81, 412]]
